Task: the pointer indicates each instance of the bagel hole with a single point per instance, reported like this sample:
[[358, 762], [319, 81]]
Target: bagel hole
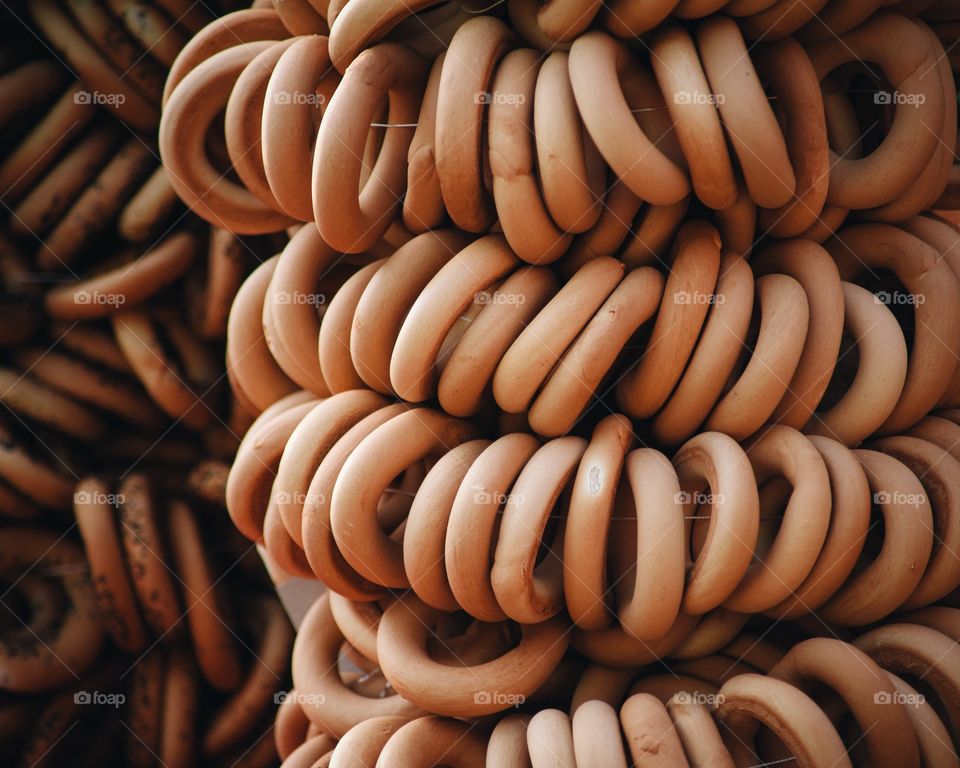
[[875, 118], [771, 750], [639, 341], [21, 616], [895, 296], [876, 535], [774, 496], [623, 545], [548, 565], [372, 685], [700, 528], [324, 93], [351, 661], [882, 283], [844, 373], [215, 144], [486, 170], [362, 676], [776, 104], [698, 516], [460, 640], [394, 505], [833, 706], [857, 121], [636, 251], [375, 139], [853, 738], [17, 611], [551, 544], [930, 696], [329, 283], [460, 326], [649, 108], [774, 751], [749, 345]]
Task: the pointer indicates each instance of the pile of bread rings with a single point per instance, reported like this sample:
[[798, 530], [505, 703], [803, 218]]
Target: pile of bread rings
[[138, 626], [495, 131], [717, 343], [709, 712], [586, 374], [617, 523], [131, 620]]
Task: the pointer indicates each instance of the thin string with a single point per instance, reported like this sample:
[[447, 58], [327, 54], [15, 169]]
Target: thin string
[[484, 10]]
